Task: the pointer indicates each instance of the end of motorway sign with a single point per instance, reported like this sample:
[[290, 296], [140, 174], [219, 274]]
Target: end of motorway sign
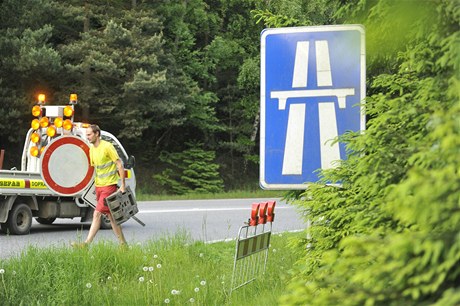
[[312, 90]]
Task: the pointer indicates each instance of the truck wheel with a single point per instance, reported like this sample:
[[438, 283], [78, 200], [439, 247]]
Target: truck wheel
[[20, 219], [105, 222], [45, 221]]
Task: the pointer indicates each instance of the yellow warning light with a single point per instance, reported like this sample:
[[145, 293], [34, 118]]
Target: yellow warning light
[[85, 125], [51, 131], [34, 151], [35, 137], [36, 111], [73, 99], [68, 111], [67, 125], [41, 99], [58, 122], [44, 122], [35, 124]]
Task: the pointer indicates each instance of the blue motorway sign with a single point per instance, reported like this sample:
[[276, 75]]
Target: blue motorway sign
[[312, 90]]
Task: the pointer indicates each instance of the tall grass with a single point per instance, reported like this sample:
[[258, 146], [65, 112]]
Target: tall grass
[[143, 195], [171, 270]]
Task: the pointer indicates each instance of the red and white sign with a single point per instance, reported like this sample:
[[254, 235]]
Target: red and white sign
[[65, 165]]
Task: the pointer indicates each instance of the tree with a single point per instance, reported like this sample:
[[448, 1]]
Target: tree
[[191, 171]]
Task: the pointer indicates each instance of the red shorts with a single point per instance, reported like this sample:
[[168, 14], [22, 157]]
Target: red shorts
[[101, 194]]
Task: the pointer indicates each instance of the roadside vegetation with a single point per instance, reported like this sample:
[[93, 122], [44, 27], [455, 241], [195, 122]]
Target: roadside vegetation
[[236, 194], [170, 270]]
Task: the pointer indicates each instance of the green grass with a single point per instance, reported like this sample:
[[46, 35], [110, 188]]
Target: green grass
[[149, 274], [237, 194]]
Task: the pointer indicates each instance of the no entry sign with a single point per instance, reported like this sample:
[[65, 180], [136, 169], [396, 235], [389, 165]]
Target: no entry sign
[[65, 166]]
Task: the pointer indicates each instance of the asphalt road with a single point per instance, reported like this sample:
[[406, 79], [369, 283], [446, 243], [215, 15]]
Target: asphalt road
[[206, 220]]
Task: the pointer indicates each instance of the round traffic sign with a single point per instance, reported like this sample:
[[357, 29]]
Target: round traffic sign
[[65, 165]]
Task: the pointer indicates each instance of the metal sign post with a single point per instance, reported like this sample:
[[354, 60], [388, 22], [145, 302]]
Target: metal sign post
[[312, 85]]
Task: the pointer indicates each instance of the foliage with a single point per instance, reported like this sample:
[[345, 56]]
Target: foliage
[[191, 171], [389, 234]]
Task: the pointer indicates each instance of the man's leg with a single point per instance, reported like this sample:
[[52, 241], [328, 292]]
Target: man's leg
[[117, 230], [95, 225]]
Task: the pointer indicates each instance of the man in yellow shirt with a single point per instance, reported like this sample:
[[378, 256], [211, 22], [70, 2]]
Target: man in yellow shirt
[[108, 167]]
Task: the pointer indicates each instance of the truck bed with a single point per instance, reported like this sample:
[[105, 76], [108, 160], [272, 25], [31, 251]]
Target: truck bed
[[14, 182]]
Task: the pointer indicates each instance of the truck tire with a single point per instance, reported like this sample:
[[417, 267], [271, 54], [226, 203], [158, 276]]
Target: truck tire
[[105, 223], [46, 221], [20, 219]]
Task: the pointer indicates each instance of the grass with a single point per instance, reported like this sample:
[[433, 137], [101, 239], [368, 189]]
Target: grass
[[237, 194], [171, 270]]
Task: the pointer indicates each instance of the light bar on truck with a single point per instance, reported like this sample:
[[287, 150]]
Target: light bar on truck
[[68, 111], [51, 131], [58, 122], [34, 151], [73, 99], [35, 124], [44, 122], [41, 99], [67, 125], [36, 111], [35, 137]]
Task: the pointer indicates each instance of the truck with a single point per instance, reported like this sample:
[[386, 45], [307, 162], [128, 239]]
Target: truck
[[55, 179]]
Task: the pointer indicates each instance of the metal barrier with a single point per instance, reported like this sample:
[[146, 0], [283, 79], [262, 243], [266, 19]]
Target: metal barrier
[[252, 245]]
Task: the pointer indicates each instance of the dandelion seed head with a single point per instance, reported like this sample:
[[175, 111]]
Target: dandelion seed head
[[2, 271], [166, 301], [192, 300], [274, 250], [201, 255], [155, 256], [203, 283], [141, 279], [88, 285], [197, 289], [150, 269], [109, 277], [145, 269], [159, 266]]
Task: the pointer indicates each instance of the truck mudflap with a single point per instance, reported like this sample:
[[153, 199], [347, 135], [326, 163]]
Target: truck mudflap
[[5, 207]]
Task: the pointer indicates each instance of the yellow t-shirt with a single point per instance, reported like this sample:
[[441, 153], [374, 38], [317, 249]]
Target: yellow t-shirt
[[103, 159]]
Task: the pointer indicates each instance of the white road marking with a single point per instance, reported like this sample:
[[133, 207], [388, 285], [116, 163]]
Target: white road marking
[[159, 211]]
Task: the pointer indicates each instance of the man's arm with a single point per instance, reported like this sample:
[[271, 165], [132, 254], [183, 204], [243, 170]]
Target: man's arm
[[121, 173]]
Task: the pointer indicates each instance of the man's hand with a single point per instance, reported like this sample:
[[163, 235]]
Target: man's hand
[[122, 188]]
